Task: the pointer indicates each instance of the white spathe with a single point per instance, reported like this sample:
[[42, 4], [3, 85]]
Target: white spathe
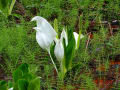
[[44, 25], [45, 34], [64, 35], [76, 37], [43, 40], [59, 50]]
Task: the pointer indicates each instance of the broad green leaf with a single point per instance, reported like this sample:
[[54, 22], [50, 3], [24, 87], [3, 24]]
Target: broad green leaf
[[17, 74], [22, 84], [28, 77], [10, 84], [68, 53], [63, 67], [70, 49], [34, 84], [24, 68], [3, 85]]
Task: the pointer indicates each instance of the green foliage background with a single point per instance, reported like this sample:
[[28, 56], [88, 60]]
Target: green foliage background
[[18, 44]]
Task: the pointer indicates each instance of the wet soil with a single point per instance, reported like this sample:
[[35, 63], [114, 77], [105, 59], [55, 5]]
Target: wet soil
[[105, 79]]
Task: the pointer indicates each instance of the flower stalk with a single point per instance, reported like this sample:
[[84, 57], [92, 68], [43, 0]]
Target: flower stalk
[[53, 62]]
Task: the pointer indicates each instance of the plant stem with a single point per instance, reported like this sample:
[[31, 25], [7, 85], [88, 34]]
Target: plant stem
[[53, 62]]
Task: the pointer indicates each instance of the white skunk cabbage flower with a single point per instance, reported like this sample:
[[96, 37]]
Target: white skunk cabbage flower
[[45, 34], [43, 40], [10, 88], [59, 48], [76, 37], [44, 25]]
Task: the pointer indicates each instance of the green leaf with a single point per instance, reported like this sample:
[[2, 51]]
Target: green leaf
[[17, 74], [3, 85], [34, 84], [10, 84], [28, 77], [22, 84], [70, 49], [24, 68], [78, 41], [56, 26], [63, 67], [68, 53]]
